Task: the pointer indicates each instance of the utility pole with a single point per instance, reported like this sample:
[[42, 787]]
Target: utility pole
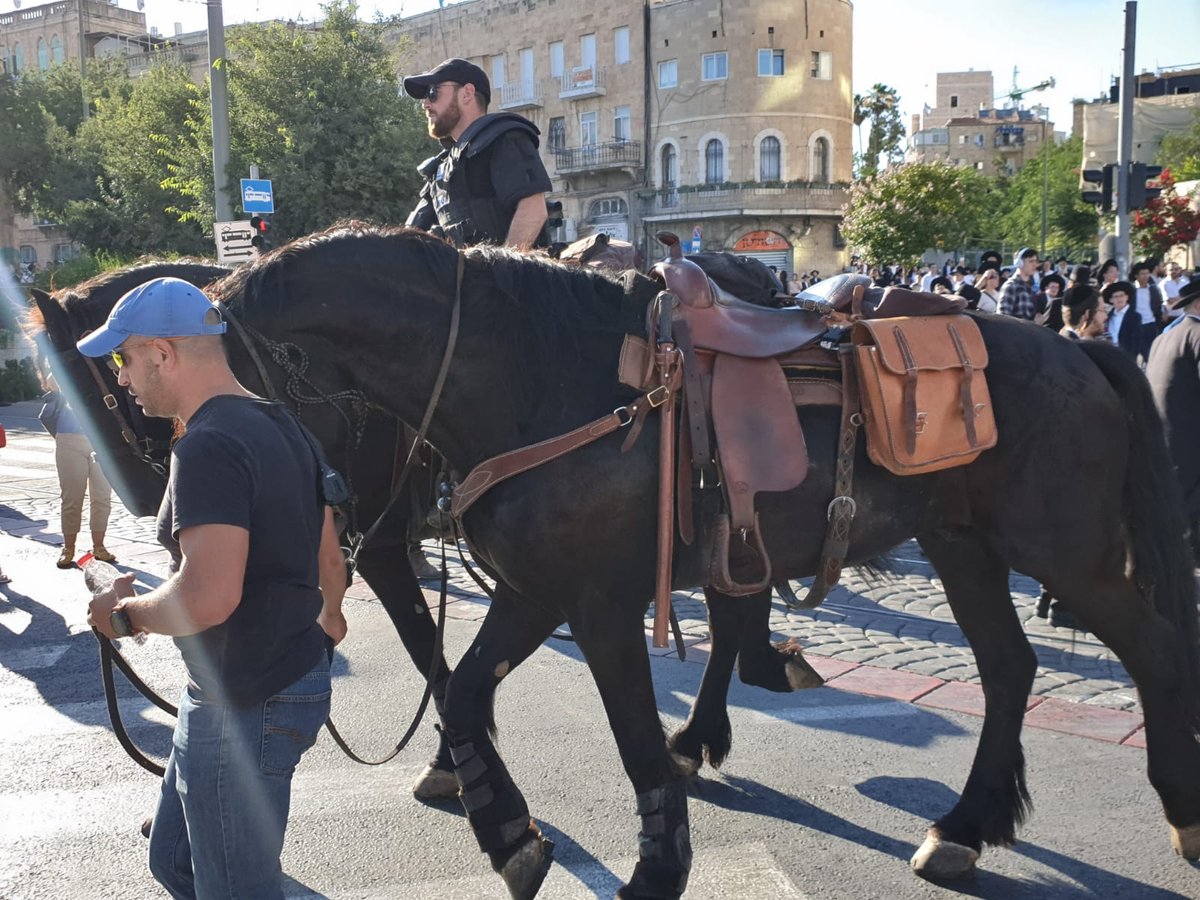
[[1045, 181], [219, 88], [82, 4], [1125, 130]]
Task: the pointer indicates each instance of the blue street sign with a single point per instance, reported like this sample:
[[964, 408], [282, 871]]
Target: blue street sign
[[257, 196]]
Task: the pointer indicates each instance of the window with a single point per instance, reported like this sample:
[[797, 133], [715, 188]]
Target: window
[[525, 61], [1033, 136], [609, 206], [770, 62], [820, 161], [668, 73], [769, 157], [587, 129], [64, 252], [953, 101], [56, 49], [587, 51], [621, 45], [669, 167], [558, 133], [622, 124], [18, 59], [4, 60], [822, 65], [556, 59], [979, 140], [714, 66], [714, 162], [979, 167], [43, 53], [498, 79], [28, 255]]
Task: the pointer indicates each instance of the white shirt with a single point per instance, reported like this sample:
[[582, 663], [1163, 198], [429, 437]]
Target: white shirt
[[927, 281], [1170, 291], [987, 303], [1115, 318], [1142, 304]]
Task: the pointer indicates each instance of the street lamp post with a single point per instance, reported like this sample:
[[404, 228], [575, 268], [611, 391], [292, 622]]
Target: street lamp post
[[1045, 181]]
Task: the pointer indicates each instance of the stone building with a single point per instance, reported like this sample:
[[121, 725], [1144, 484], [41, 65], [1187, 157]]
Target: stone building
[[966, 129], [729, 124]]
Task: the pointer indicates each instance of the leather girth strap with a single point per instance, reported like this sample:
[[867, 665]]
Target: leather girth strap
[[842, 508]]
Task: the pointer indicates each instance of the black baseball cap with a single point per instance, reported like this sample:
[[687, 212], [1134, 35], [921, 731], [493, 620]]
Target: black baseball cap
[[457, 70]]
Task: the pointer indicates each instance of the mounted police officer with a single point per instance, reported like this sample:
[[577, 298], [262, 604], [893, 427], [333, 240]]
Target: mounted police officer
[[488, 184]]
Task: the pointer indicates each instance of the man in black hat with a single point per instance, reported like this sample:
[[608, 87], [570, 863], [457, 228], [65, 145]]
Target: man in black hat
[[488, 184], [1124, 323], [1148, 301], [1174, 375]]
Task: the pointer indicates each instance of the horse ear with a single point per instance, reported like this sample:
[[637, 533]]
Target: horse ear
[[54, 318]]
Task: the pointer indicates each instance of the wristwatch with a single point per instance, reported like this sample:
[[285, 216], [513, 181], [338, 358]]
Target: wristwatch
[[120, 622]]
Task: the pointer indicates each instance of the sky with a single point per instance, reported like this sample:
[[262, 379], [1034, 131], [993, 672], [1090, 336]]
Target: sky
[[905, 43]]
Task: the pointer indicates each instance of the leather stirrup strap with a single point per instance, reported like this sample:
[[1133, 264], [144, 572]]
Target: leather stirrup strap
[[910, 391], [842, 508], [693, 397], [968, 373]]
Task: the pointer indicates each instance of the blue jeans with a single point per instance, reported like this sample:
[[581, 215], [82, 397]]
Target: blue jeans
[[218, 830]]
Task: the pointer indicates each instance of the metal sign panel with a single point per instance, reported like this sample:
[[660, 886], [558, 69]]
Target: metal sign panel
[[257, 195], [233, 241]]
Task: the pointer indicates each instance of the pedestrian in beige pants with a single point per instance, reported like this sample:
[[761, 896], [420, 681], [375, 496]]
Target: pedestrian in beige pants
[[78, 473]]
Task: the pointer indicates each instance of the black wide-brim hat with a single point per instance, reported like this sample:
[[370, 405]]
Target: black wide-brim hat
[[1054, 278], [1187, 294], [457, 70], [1113, 287]]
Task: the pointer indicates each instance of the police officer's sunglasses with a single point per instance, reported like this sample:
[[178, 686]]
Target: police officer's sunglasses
[[118, 356], [432, 95]]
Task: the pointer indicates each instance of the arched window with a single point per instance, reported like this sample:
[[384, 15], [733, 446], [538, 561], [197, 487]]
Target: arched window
[[18, 59], [820, 161], [609, 206], [769, 159], [43, 52], [670, 166], [56, 50], [714, 162]]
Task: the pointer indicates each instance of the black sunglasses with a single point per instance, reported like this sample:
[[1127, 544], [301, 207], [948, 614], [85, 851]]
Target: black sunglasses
[[432, 95]]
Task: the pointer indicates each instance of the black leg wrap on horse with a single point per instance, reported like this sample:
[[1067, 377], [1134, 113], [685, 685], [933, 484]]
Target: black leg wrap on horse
[[664, 844], [497, 812]]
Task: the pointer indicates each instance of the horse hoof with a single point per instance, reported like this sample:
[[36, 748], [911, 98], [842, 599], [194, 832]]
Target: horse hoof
[[526, 869], [1186, 841], [801, 675], [938, 859], [685, 766], [435, 784]]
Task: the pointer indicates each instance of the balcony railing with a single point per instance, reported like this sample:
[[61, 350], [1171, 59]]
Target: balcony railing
[[582, 82], [135, 62], [744, 199], [592, 157], [520, 95], [1009, 142]]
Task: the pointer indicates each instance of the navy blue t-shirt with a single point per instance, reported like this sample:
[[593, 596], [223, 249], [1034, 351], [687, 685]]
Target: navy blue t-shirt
[[244, 462]]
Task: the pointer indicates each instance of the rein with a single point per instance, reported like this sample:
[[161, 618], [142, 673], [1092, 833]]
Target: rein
[[110, 655]]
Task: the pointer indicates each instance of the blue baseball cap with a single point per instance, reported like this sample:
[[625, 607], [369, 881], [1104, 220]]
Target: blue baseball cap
[[164, 307]]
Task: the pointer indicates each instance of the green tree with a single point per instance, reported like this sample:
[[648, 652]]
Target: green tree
[[881, 107], [896, 216], [1181, 152], [321, 114], [1071, 224]]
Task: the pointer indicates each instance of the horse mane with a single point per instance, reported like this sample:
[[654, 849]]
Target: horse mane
[[530, 299]]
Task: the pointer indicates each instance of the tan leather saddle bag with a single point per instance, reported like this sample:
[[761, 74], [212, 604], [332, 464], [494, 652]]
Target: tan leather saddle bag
[[924, 395]]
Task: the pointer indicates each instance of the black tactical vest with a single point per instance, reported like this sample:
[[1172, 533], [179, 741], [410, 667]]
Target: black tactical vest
[[459, 182]]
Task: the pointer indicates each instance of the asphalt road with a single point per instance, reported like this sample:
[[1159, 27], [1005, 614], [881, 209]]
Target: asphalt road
[[826, 795]]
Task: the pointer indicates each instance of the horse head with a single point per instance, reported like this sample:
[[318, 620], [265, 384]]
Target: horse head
[[133, 449]]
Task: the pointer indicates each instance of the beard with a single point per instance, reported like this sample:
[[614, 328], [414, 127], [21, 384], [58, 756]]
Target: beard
[[443, 125]]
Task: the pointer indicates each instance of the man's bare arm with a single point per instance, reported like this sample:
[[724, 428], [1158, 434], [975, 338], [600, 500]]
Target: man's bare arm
[[527, 222]]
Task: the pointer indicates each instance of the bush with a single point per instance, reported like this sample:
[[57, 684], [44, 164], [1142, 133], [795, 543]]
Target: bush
[[79, 269], [18, 381]]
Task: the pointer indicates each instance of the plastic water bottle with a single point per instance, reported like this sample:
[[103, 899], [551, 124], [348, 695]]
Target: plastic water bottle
[[99, 576]]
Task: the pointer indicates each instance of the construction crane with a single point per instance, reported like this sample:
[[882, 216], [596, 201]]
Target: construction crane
[[1017, 93]]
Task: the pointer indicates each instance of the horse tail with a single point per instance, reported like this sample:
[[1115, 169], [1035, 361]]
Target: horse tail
[[1163, 566]]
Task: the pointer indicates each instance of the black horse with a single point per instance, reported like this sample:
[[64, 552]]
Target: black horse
[[362, 440], [574, 539]]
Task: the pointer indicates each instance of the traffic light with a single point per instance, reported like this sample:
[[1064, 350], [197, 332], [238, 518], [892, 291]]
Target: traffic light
[[1139, 192], [554, 214], [1103, 177], [262, 234]]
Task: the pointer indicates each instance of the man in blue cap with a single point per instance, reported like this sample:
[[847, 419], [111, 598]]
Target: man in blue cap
[[488, 184], [257, 575]]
